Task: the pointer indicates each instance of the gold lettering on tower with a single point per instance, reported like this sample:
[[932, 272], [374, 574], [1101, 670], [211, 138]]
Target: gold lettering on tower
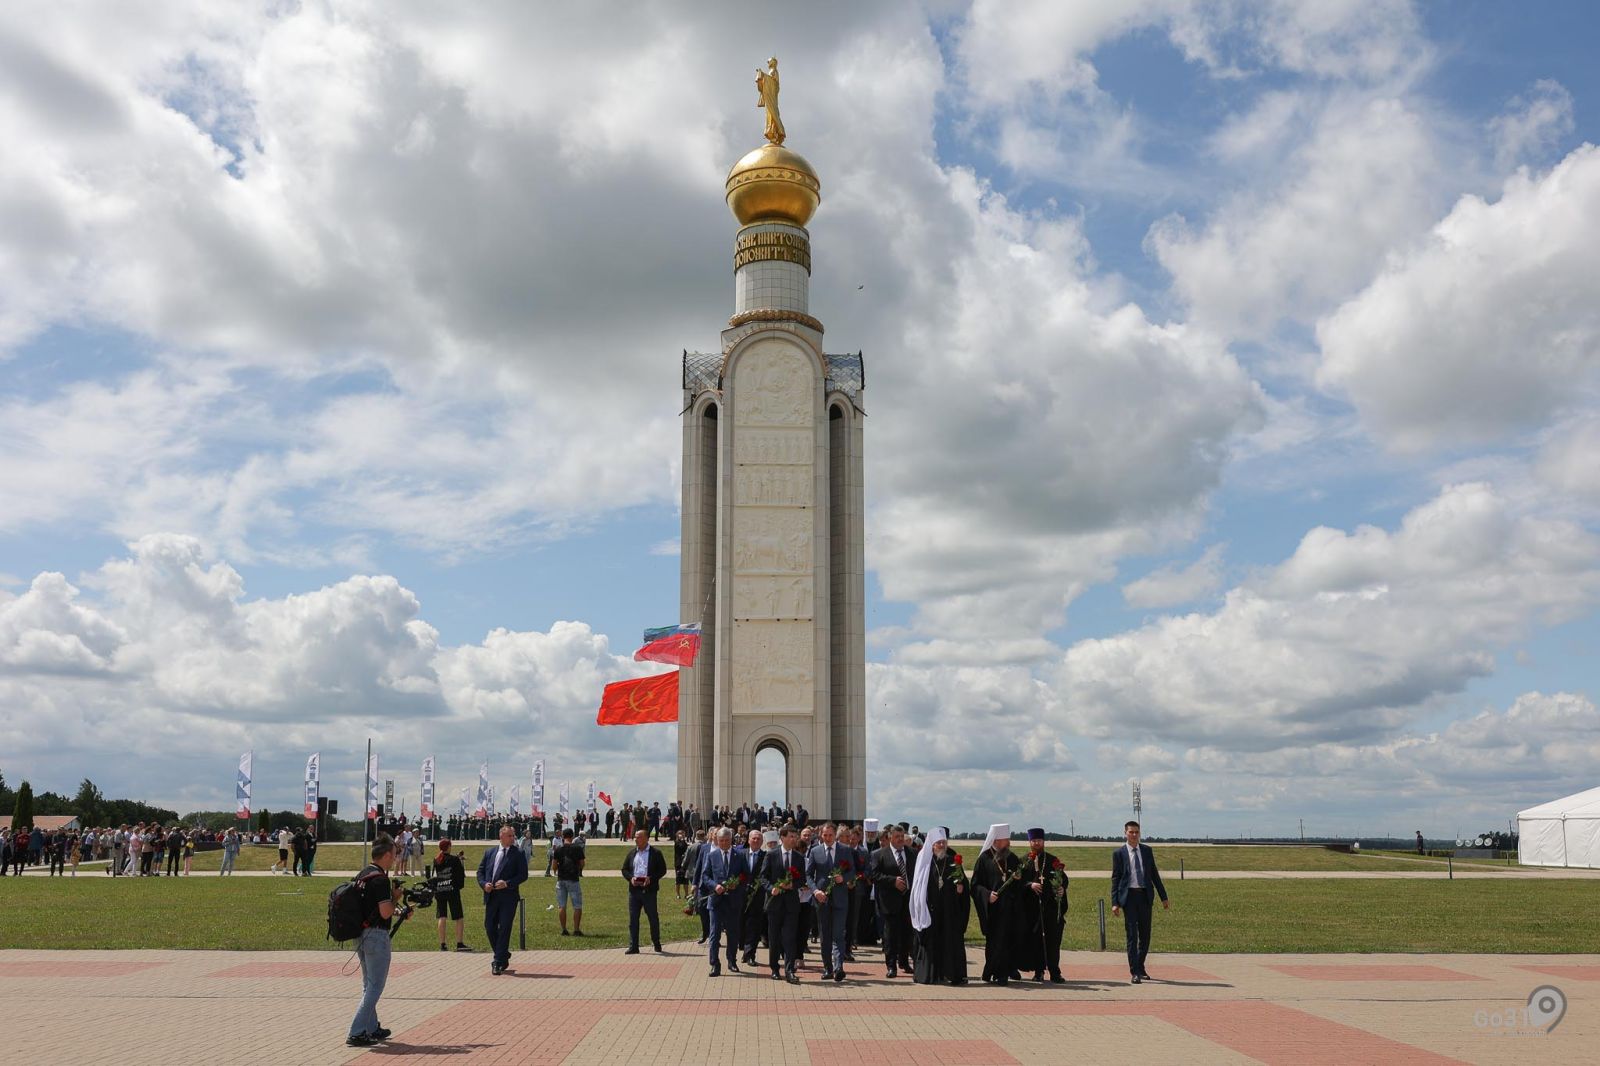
[[761, 247]]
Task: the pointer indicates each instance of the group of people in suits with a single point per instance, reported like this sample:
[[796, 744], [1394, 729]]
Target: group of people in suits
[[923, 899]]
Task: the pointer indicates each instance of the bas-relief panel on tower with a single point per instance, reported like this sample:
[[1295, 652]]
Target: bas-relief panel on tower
[[773, 540], [780, 447], [772, 386], [773, 667], [760, 485]]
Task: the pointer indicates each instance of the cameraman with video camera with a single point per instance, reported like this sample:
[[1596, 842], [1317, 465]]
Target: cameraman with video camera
[[449, 875], [378, 898]]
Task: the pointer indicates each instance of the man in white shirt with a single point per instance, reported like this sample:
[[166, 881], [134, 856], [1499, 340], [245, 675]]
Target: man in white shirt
[[644, 867], [1133, 876]]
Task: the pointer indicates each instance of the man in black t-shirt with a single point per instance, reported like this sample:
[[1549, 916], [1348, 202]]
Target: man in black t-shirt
[[378, 898], [569, 860]]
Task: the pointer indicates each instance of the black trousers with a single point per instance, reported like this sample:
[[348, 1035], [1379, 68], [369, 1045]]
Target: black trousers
[[783, 923], [896, 938], [1052, 943], [641, 899], [751, 931], [1136, 910], [174, 858], [499, 911]]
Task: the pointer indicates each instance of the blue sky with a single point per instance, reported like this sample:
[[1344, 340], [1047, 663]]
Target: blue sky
[[1232, 393]]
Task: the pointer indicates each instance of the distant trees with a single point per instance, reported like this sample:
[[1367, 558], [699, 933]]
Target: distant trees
[[22, 810], [263, 820]]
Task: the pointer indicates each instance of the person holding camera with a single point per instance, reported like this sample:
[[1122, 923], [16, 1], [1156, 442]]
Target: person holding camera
[[378, 898], [449, 875]]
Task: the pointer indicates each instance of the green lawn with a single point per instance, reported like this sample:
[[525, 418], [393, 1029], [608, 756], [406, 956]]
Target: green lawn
[[1208, 916], [265, 913]]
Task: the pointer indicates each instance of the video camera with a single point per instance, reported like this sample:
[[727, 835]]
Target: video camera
[[420, 894]]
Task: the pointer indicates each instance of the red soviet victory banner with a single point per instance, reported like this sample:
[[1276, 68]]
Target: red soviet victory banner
[[645, 699]]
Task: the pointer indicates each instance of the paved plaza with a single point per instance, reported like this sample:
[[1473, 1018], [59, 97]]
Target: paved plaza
[[605, 1007]]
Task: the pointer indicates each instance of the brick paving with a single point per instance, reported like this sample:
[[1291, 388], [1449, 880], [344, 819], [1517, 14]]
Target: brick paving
[[294, 1007]]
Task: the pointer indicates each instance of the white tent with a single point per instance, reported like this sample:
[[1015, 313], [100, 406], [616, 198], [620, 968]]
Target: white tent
[[1563, 832]]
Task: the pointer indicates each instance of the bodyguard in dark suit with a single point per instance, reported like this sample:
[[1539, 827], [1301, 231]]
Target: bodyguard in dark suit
[[501, 871], [718, 866], [782, 889], [891, 883], [1133, 876], [643, 868]]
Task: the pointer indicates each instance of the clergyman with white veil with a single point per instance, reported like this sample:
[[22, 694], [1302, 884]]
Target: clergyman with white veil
[[941, 905]]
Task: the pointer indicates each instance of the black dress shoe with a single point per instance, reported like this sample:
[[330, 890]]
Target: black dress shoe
[[776, 976], [702, 940], [660, 950], [1002, 981], [380, 1033], [716, 973], [793, 978], [360, 1040], [827, 975], [1038, 977], [1137, 979], [838, 976], [1146, 975], [1057, 979], [631, 951], [733, 969], [890, 972]]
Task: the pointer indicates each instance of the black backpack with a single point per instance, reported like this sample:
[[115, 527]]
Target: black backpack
[[347, 914]]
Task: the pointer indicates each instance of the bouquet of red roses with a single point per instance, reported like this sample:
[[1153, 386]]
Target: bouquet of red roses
[[839, 877], [736, 881], [790, 879]]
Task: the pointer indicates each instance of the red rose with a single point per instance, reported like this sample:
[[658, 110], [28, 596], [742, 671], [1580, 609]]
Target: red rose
[[956, 858], [1055, 864], [744, 879], [844, 866], [794, 873]]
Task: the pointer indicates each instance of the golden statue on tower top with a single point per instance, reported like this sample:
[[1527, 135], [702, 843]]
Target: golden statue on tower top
[[767, 87]]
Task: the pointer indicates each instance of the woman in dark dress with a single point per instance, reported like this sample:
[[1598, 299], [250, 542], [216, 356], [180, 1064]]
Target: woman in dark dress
[[941, 906]]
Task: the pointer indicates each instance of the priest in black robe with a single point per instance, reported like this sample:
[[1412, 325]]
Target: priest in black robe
[[941, 902], [1011, 939], [1046, 879]]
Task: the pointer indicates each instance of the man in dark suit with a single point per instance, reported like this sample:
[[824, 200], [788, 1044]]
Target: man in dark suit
[[829, 866], [644, 867], [891, 881], [753, 922], [1133, 876], [720, 870], [782, 875], [500, 873]]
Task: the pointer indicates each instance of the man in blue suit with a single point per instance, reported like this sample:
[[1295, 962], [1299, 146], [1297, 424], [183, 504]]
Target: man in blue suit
[[719, 866], [1133, 877], [829, 865], [501, 871]]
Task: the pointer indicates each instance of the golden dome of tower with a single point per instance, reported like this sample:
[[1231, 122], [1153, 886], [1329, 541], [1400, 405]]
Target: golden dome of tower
[[773, 184]]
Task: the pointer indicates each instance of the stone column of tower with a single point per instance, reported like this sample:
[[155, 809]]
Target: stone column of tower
[[773, 563]]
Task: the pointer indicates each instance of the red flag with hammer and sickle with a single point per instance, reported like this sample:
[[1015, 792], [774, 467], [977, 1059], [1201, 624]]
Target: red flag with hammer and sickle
[[644, 699]]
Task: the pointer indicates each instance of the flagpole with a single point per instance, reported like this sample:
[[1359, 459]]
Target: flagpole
[[366, 823]]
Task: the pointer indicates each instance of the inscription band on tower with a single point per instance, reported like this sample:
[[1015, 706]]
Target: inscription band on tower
[[768, 245]]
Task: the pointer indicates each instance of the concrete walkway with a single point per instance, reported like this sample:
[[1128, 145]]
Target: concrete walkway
[[610, 1008]]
